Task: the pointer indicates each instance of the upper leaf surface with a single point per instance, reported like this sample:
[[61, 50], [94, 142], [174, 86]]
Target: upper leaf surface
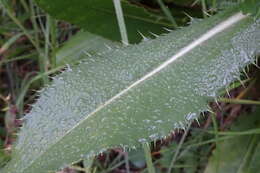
[[108, 100]]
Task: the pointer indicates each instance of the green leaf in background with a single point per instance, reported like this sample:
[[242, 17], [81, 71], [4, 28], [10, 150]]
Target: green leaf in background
[[239, 154], [137, 157], [4, 158], [134, 94], [98, 17], [251, 7], [82, 44]]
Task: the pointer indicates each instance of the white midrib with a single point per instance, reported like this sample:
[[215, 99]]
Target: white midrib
[[211, 33]]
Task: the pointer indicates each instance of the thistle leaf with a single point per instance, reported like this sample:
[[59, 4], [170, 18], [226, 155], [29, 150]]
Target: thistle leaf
[[134, 94]]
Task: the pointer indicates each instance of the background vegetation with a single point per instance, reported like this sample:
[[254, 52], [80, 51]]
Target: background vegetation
[[34, 47]]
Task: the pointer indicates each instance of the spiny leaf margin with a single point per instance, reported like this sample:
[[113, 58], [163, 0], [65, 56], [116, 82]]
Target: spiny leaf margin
[[58, 123]]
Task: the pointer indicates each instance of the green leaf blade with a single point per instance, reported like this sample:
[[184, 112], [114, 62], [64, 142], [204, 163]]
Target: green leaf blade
[[81, 45], [98, 17], [240, 153], [100, 104]]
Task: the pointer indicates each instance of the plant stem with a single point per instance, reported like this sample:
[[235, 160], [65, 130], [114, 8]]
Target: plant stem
[[167, 13], [178, 148], [215, 125], [148, 158], [18, 23], [43, 61], [127, 162], [47, 42], [53, 25], [239, 101], [25, 6], [20, 98], [247, 132], [251, 149], [121, 21], [34, 22], [204, 8]]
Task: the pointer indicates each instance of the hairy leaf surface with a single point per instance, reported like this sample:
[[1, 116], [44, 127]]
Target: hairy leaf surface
[[134, 94]]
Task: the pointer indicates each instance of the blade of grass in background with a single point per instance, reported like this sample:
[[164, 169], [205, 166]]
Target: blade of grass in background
[[148, 158], [167, 13], [121, 21]]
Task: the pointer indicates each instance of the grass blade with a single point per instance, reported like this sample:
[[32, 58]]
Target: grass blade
[[148, 158], [121, 21]]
